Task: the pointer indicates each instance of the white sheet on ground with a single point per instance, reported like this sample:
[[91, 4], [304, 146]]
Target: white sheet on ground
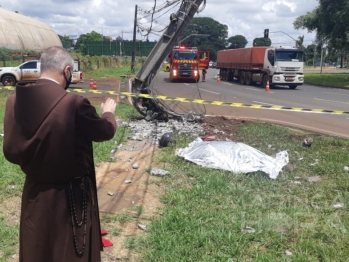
[[235, 157]]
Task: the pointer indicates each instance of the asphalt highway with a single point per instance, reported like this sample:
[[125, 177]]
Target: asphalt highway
[[305, 96]]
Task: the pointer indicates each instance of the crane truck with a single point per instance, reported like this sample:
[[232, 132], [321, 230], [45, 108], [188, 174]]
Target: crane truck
[[279, 66], [153, 108]]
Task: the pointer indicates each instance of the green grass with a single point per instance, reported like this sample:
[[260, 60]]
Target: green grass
[[206, 210], [331, 80], [108, 73]]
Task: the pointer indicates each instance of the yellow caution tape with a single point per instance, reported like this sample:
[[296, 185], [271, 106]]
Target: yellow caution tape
[[199, 101]]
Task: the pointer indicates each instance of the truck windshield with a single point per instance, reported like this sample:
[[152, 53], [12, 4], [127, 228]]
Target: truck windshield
[[187, 55], [290, 55]]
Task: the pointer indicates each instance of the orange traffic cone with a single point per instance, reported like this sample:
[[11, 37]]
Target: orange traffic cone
[[218, 79], [267, 87], [95, 85], [91, 83]]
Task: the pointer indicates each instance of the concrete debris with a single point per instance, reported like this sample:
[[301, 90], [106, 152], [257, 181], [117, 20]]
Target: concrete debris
[[158, 172], [308, 142], [309, 179], [119, 146], [249, 230], [110, 193], [153, 131], [346, 168], [135, 166], [112, 151], [315, 163], [288, 253], [216, 131], [143, 227], [339, 205], [314, 179], [128, 181]]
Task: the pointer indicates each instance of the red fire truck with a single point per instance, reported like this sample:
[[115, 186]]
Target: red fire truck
[[186, 63]]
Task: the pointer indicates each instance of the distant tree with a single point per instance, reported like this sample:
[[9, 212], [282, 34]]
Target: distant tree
[[300, 42], [262, 41], [330, 22], [89, 37], [310, 53], [66, 42], [216, 40], [237, 41], [64, 38]]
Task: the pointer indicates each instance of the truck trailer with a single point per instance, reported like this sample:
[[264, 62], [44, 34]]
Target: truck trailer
[[281, 66]]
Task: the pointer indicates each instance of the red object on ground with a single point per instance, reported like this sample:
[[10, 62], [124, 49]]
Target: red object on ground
[[104, 232], [106, 242], [209, 138]]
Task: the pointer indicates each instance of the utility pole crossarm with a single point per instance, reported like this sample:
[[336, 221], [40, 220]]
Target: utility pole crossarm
[[165, 44]]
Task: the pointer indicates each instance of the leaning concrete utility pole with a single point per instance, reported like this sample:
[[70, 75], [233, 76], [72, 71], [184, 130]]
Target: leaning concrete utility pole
[[134, 42], [142, 82]]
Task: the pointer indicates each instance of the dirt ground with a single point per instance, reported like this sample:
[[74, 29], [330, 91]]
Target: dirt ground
[[138, 199]]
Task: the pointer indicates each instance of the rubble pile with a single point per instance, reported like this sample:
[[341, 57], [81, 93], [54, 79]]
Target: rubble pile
[[153, 131]]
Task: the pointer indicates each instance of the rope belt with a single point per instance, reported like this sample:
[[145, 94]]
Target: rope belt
[[85, 181]]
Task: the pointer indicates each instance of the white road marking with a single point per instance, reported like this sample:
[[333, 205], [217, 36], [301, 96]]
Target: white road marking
[[335, 93], [253, 89], [210, 91], [331, 101], [257, 102]]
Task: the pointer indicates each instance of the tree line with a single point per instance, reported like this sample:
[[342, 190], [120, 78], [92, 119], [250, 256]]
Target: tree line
[[328, 20]]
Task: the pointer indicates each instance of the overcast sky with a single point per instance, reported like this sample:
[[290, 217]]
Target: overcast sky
[[112, 17]]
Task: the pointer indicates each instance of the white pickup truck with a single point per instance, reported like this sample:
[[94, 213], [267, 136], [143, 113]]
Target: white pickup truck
[[30, 72]]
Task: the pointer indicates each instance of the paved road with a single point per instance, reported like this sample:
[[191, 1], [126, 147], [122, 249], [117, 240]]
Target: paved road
[[306, 96]]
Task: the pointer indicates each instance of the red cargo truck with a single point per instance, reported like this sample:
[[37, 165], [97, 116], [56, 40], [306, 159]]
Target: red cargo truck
[[281, 66]]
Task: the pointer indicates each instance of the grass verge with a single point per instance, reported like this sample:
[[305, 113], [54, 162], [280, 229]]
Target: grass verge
[[109, 73], [208, 214], [331, 80]]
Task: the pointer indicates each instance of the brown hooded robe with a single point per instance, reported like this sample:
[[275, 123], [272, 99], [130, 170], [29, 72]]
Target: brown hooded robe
[[48, 133]]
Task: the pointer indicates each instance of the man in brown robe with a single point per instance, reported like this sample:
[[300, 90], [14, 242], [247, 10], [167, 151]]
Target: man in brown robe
[[48, 132]]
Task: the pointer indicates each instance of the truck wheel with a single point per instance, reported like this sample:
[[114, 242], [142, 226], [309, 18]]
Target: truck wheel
[[242, 78], [8, 80], [167, 69], [292, 86], [248, 78], [264, 81]]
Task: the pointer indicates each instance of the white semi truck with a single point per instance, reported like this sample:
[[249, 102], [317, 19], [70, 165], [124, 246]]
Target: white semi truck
[[281, 66]]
